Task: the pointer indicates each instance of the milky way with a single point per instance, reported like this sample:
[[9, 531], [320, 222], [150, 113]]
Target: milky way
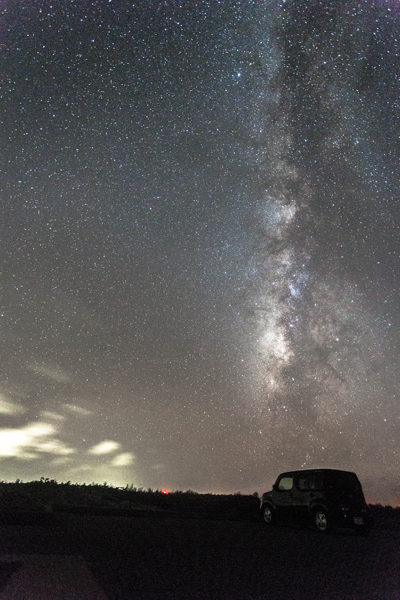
[[200, 242]]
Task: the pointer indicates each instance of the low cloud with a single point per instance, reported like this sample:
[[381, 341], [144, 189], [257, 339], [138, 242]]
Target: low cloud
[[50, 372], [123, 460], [9, 407], [22, 442], [55, 446], [52, 416], [61, 461], [158, 467], [105, 447], [78, 410], [32, 441]]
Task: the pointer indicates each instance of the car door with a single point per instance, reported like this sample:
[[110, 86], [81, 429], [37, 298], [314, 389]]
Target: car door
[[282, 496], [302, 495]]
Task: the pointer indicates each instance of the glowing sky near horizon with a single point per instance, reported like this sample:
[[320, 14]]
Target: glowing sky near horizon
[[200, 242]]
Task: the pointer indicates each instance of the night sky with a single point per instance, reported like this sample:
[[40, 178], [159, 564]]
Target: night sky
[[200, 242]]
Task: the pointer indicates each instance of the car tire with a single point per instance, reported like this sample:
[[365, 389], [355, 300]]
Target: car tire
[[321, 520], [268, 515]]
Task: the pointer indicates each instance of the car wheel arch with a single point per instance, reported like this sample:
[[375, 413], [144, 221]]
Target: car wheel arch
[[268, 503], [318, 506], [271, 507]]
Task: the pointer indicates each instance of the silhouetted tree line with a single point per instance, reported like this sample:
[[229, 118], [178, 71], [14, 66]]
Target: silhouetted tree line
[[47, 495]]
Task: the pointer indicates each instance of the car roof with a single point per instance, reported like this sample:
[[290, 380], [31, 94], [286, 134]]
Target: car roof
[[304, 471]]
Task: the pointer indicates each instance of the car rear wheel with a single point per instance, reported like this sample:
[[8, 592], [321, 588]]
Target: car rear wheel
[[268, 515], [321, 520]]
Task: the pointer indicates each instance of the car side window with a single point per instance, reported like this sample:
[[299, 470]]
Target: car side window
[[285, 484], [316, 483], [304, 482]]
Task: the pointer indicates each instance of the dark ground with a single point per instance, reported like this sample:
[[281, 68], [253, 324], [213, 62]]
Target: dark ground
[[145, 558]]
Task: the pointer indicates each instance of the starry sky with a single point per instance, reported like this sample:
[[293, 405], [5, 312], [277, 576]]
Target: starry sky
[[200, 242]]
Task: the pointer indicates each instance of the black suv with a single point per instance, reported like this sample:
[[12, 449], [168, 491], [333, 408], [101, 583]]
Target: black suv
[[325, 498]]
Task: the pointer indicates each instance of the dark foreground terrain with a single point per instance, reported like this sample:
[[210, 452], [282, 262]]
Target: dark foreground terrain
[[162, 557]]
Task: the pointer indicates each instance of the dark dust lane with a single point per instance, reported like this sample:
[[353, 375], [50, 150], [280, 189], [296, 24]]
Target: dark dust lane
[[147, 558]]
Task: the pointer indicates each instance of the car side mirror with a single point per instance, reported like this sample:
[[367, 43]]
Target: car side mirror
[[275, 487]]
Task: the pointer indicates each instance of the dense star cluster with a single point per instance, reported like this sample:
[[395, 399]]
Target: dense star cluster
[[200, 241]]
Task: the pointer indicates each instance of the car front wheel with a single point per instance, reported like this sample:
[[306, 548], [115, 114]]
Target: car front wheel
[[321, 520], [268, 515]]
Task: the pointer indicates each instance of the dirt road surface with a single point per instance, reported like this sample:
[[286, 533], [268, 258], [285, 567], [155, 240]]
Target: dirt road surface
[[144, 558]]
